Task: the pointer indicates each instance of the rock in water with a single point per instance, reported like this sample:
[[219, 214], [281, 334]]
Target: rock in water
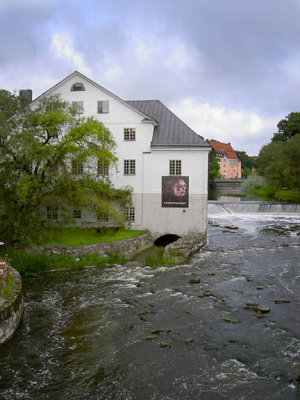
[[195, 280]]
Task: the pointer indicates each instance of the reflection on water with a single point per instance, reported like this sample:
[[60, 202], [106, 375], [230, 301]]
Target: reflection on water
[[133, 332]]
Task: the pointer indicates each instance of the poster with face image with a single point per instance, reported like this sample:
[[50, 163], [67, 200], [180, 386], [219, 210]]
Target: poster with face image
[[175, 191]]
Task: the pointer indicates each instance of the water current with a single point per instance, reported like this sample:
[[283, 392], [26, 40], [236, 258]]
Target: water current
[[133, 332]]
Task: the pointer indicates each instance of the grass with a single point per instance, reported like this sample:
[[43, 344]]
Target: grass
[[85, 236], [30, 263], [159, 259], [288, 195], [8, 286], [292, 196]]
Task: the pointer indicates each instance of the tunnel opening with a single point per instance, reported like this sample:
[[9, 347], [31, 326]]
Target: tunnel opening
[[164, 240]]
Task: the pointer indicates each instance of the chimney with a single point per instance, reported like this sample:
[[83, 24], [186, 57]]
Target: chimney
[[26, 93]]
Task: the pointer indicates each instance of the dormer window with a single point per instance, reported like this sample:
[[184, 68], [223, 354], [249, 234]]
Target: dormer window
[[77, 87]]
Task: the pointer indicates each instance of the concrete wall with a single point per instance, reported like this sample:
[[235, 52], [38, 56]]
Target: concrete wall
[[11, 309]]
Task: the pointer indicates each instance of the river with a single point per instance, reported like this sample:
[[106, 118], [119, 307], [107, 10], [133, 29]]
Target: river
[[141, 333]]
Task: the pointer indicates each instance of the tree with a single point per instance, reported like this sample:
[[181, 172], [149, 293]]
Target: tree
[[287, 127], [43, 149], [246, 161], [279, 163], [213, 166]]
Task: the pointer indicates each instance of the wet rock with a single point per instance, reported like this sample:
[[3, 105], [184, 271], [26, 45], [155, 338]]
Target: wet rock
[[150, 337], [189, 340], [156, 331], [259, 315], [163, 344], [230, 320], [208, 293], [230, 227], [256, 307], [261, 309], [282, 301], [195, 280]]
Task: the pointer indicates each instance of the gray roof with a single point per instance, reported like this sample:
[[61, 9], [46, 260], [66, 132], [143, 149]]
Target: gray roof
[[170, 130]]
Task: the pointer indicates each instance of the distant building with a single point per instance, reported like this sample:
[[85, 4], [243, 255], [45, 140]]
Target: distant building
[[230, 165], [159, 157]]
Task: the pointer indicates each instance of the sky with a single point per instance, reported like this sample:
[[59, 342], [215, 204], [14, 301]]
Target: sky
[[230, 69]]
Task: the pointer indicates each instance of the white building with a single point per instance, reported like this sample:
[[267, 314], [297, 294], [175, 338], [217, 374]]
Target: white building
[[156, 152]]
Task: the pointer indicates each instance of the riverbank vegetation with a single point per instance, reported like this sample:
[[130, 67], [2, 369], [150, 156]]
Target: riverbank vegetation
[[279, 161], [32, 263], [8, 286], [53, 164], [84, 236]]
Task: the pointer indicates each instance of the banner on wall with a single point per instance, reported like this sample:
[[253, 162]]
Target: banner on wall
[[175, 191]]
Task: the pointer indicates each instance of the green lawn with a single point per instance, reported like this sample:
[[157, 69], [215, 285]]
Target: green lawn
[[292, 196], [85, 236]]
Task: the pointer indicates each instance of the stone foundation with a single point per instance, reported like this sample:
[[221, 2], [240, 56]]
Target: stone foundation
[[186, 245], [128, 247], [11, 308]]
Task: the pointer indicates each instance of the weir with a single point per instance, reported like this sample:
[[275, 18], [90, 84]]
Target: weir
[[251, 207]]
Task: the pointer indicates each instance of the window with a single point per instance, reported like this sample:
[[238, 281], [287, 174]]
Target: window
[[129, 167], [79, 106], [129, 134], [77, 214], [175, 167], [77, 167], [130, 214], [103, 107], [77, 87], [103, 169], [51, 212], [103, 217]]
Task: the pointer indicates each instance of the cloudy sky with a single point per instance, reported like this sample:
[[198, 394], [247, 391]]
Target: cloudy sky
[[228, 68]]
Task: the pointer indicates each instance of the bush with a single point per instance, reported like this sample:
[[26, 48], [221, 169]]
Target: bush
[[253, 182]]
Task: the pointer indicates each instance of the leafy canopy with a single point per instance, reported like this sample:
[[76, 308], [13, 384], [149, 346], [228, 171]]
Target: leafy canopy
[[287, 127], [279, 162], [49, 157], [213, 166]]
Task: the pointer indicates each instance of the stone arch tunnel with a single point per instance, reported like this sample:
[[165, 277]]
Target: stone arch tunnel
[[164, 240]]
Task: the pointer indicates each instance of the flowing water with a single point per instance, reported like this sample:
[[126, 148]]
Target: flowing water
[[83, 334]]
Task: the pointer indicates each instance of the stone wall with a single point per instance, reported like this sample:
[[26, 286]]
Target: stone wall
[[187, 245], [11, 308], [128, 247]]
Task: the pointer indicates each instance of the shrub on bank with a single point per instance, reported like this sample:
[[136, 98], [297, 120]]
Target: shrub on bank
[[253, 182], [31, 263]]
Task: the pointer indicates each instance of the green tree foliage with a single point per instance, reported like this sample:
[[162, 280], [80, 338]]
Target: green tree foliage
[[213, 166], [287, 127], [279, 163], [246, 161], [43, 148]]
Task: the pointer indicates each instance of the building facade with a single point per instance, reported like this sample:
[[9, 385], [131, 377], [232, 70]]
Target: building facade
[[160, 157], [230, 165]]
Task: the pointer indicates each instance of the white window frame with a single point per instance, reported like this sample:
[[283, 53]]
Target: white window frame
[[102, 169], [129, 134], [77, 214], [77, 87], [129, 167], [51, 212], [77, 167], [79, 106], [103, 217], [130, 213], [103, 107], [175, 167]]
